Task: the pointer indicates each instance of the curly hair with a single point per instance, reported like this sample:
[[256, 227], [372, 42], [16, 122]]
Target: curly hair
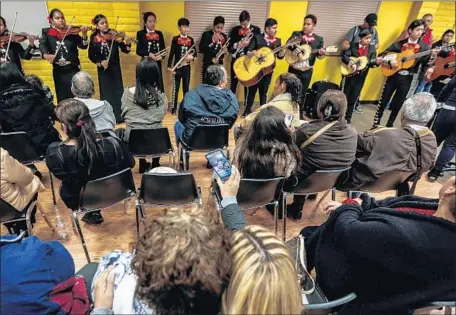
[[293, 86], [182, 262]]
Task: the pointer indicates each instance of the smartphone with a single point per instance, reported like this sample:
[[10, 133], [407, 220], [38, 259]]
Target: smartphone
[[220, 164], [288, 120]]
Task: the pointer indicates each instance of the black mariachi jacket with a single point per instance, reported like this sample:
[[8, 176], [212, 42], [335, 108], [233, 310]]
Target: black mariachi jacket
[[15, 53], [316, 44], [99, 50], [397, 48], [145, 46], [179, 46], [69, 50], [258, 42], [236, 36], [209, 48], [353, 52]]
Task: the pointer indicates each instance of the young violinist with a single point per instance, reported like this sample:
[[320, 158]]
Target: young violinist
[[304, 69], [353, 84], [181, 44], [400, 82], [267, 39], [150, 42], [16, 52], [238, 44], [59, 45], [104, 52], [211, 43]]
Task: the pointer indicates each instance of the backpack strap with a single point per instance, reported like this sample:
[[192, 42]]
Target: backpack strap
[[317, 134]]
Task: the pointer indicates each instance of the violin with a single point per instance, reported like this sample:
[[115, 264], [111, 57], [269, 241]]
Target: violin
[[75, 29], [17, 37], [113, 35]]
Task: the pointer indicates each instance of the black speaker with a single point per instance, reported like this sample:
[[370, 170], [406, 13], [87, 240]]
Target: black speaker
[[313, 95]]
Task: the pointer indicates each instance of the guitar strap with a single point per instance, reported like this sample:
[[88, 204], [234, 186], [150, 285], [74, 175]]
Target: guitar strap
[[317, 134], [418, 161]]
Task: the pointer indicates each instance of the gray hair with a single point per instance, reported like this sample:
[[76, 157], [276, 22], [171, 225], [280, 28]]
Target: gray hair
[[82, 85], [215, 74], [419, 108]]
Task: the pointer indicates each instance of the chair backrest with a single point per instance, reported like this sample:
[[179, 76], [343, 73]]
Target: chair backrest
[[107, 191], [388, 181], [7, 211], [168, 189], [319, 181], [20, 146], [209, 137], [149, 142], [255, 193]]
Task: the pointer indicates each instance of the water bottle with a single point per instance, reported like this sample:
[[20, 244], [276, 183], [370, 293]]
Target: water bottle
[[60, 226]]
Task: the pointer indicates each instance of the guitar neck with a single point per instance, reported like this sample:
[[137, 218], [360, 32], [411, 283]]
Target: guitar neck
[[418, 55]]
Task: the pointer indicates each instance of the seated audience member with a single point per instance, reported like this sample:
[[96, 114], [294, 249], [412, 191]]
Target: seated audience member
[[267, 149], [209, 104], [18, 187], [25, 108], [286, 95], [393, 149], [38, 84], [144, 105], [180, 265], [84, 156], [396, 255], [333, 149], [30, 270], [444, 129], [83, 89]]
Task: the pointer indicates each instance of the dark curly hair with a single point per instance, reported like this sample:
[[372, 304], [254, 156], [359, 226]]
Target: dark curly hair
[[182, 262], [293, 84]]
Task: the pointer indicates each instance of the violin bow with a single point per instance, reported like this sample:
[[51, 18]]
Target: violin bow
[[64, 36], [11, 37], [112, 43]]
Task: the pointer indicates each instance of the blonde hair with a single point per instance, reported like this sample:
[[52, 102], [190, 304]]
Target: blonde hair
[[263, 279]]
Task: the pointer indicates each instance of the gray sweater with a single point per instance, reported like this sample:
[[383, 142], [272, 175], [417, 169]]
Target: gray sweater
[[137, 117], [101, 113]]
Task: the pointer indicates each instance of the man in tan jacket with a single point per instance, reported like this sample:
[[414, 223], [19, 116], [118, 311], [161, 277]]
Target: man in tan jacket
[[287, 92], [18, 185]]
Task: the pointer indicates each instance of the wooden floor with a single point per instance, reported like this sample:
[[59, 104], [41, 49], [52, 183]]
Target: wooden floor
[[119, 232]]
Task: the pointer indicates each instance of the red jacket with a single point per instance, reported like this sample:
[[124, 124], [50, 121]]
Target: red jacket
[[72, 297]]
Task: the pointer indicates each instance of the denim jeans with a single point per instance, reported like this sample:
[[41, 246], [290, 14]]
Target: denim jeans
[[447, 152], [423, 86], [178, 130]]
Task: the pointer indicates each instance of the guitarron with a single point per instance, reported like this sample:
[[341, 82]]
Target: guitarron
[[250, 69]]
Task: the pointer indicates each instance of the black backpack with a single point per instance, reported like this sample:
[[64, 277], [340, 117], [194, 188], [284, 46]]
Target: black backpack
[[313, 95]]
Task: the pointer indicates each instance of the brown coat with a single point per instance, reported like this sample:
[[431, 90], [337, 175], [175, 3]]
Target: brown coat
[[17, 183], [391, 149]]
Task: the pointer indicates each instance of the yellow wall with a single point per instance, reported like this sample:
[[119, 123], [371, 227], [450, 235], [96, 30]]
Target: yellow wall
[[392, 19]]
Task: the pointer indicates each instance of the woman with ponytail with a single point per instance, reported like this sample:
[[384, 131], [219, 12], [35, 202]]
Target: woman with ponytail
[[84, 155], [334, 148]]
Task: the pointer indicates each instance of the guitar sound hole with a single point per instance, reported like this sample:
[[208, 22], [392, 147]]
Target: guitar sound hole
[[403, 59], [261, 59]]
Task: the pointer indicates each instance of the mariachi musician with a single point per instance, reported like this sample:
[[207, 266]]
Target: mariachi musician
[[59, 45], [16, 52], [104, 52], [211, 43], [238, 44], [151, 43]]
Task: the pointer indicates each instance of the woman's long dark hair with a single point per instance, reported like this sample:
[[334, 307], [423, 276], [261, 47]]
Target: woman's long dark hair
[[267, 132], [79, 126], [9, 75], [147, 77], [95, 21], [293, 86]]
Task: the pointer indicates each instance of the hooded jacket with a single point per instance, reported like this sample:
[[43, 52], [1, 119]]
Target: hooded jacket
[[207, 105], [23, 108], [101, 113]]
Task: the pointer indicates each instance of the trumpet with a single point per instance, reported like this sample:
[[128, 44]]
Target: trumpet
[[215, 60], [248, 37], [162, 53], [181, 63]]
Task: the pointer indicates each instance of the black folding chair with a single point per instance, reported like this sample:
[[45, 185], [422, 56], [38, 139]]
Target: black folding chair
[[103, 193], [9, 214], [393, 180], [151, 143], [166, 189], [21, 147], [255, 194], [206, 138]]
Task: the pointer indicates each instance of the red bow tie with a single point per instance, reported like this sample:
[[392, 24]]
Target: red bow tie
[[184, 41], [271, 40], [415, 47], [55, 33], [152, 36], [244, 31], [308, 38]]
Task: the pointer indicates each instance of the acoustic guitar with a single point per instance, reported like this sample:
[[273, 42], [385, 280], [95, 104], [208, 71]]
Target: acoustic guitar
[[360, 62], [306, 52], [250, 69], [443, 66]]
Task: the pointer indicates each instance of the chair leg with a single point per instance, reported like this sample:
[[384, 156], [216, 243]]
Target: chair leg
[[137, 219], [228, 153], [29, 224], [41, 210], [73, 223], [81, 236], [284, 217], [184, 159], [276, 219], [54, 199], [333, 194]]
